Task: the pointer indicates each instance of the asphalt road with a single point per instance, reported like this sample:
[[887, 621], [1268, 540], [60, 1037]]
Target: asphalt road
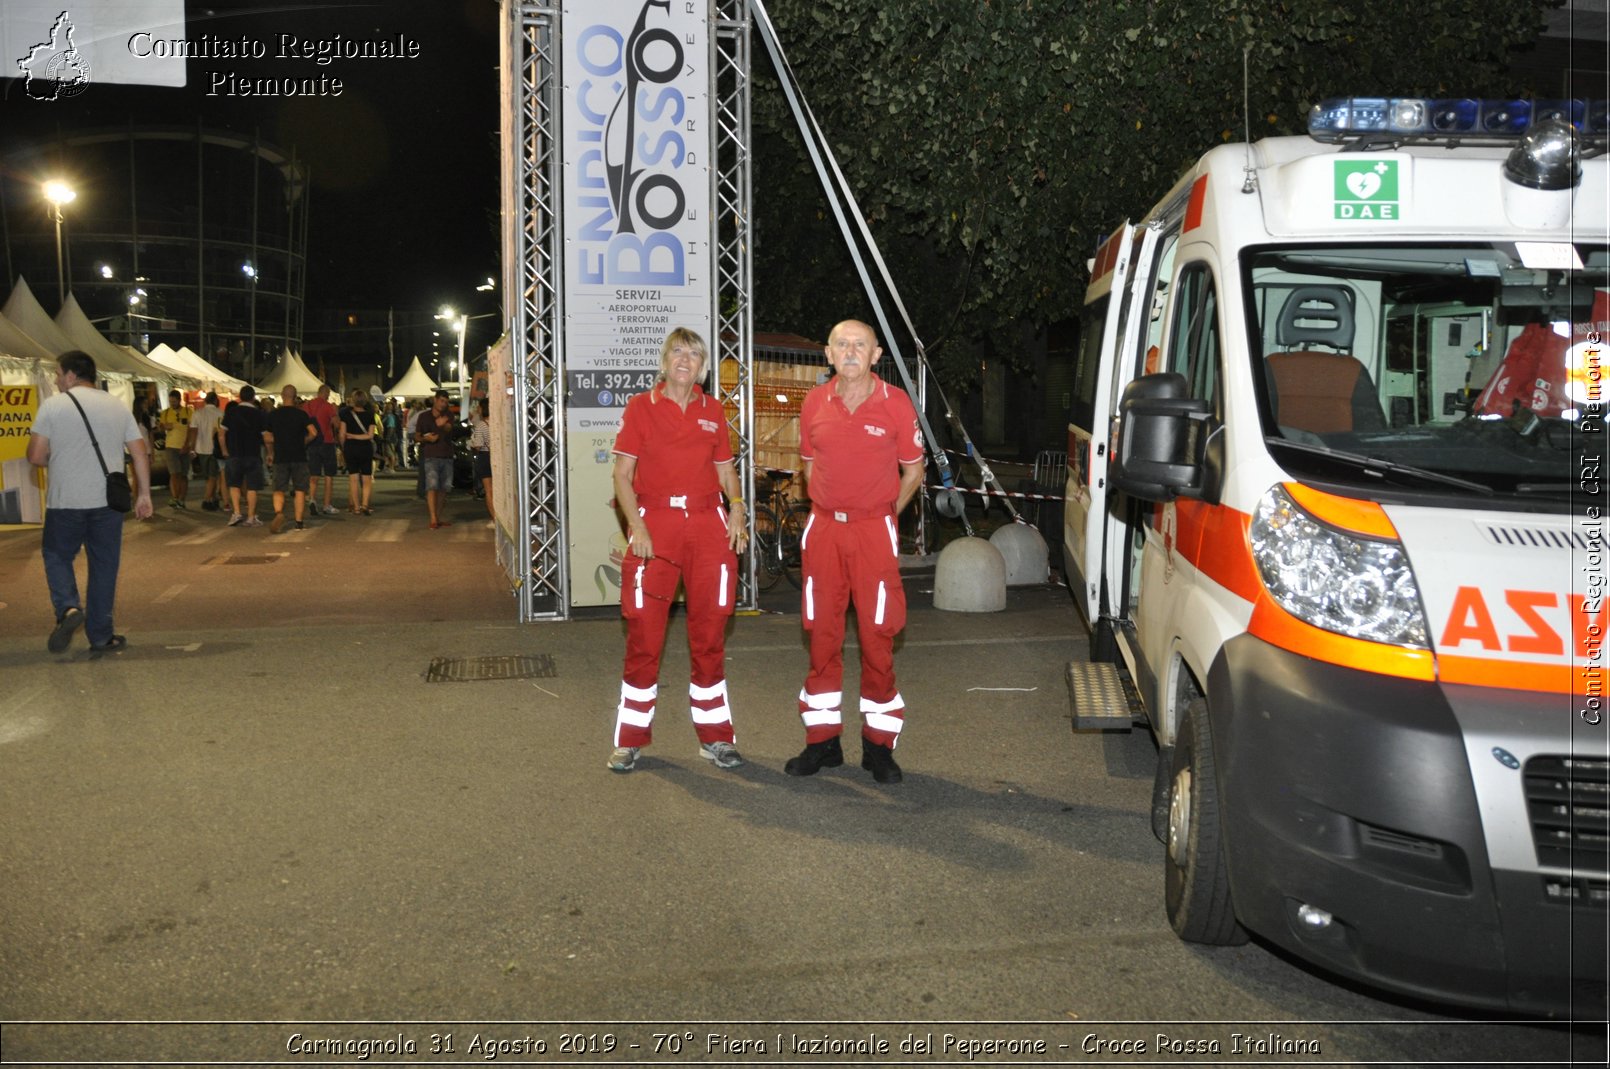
[[261, 821]]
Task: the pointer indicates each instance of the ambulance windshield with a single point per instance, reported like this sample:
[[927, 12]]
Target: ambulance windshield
[[1455, 367]]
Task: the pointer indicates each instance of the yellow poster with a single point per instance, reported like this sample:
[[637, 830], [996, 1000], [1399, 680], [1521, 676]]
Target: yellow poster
[[18, 407], [20, 482], [597, 545]]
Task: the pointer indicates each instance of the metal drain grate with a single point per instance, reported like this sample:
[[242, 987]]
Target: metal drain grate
[[473, 669], [241, 558]]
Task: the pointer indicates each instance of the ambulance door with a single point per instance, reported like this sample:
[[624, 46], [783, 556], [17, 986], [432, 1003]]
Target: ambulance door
[[1166, 547], [1139, 353], [1102, 328]]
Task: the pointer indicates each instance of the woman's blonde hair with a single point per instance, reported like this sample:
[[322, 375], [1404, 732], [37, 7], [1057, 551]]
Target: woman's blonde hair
[[691, 339]]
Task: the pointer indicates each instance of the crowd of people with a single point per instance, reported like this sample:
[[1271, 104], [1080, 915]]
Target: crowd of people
[[298, 447]]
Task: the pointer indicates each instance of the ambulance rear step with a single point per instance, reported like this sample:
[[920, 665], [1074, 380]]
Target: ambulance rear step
[[1102, 698]]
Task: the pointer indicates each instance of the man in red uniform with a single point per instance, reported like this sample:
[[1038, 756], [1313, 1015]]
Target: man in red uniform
[[673, 459], [862, 452]]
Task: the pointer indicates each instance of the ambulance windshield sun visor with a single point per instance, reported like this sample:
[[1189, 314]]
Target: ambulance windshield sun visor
[[1432, 369], [1333, 580]]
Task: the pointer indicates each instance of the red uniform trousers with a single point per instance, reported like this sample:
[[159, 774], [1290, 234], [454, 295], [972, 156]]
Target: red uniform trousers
[[690, 546], [856, 559]]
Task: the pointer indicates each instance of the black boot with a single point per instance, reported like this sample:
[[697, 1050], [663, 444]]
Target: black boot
[[815, 757], [879, 760]]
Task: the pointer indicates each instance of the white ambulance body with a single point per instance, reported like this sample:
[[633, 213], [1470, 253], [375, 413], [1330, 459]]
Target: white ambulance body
[[1335, 518]]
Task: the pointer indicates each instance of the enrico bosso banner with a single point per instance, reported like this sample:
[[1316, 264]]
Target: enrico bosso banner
[[637, 222]]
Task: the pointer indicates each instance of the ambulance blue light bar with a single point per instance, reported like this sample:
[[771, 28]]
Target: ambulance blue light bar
[[1351, 118]]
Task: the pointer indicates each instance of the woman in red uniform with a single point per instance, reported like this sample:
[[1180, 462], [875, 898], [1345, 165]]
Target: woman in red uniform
[[673, 459]]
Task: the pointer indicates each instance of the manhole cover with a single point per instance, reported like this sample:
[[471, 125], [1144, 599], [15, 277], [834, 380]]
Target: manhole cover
[[470, 669], [241, 558]]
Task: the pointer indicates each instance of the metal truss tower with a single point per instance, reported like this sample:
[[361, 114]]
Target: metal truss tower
[[537, 560], [732, 238]]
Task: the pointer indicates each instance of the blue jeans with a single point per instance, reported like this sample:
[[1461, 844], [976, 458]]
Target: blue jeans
[[100, 533]]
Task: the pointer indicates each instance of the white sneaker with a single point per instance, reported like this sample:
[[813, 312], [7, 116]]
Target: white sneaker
[[724, 754], [624, 759]]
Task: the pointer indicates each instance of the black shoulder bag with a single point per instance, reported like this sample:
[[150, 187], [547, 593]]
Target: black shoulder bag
[[119, 497]]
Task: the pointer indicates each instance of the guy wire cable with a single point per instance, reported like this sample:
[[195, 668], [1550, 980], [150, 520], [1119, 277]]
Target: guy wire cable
[[816, 145], [785, 76], [987, 476]]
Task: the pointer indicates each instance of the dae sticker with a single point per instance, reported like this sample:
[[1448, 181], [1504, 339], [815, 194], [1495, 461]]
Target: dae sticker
[[1366, 189]]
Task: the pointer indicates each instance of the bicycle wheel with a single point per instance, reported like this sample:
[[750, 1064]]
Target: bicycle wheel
[[766, 546], [794, 521]]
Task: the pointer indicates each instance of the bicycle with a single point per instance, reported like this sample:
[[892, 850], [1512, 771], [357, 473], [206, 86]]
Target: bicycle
[[779, 521]]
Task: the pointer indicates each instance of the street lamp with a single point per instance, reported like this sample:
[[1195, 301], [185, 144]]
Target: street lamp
[[461, 324], [59, 194]]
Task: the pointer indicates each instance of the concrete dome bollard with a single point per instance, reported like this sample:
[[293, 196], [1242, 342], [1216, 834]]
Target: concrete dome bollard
[[1028, 562], [970, 577]]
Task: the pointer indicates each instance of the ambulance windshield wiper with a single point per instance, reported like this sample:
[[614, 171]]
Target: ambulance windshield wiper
[[1382, 468]]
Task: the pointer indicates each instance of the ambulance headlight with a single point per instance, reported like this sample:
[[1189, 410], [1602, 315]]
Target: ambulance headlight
[[1335, 580]]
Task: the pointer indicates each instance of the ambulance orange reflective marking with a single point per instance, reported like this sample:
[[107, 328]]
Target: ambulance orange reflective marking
[[1213, 538], [1197, 205], [1348, 513]]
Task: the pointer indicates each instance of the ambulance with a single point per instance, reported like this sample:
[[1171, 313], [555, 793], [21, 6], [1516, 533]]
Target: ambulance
[[1335, 521]]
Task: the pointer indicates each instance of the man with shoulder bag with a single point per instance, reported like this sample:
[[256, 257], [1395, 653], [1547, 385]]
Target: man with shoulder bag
[[78, 437]]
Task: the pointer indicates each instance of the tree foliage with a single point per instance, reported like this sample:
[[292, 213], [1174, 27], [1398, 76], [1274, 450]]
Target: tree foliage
[[991, 143]]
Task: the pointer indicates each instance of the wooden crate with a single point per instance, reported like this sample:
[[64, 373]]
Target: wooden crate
[[779, 390]]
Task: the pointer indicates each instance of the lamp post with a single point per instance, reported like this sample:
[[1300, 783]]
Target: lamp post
[[461, 324], [59, 194]]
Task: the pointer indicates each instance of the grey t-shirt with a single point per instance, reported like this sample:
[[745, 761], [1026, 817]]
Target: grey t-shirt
[[76, 479]]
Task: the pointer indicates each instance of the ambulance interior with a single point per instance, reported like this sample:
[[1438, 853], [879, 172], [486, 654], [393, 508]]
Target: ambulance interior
[[1455, 365]]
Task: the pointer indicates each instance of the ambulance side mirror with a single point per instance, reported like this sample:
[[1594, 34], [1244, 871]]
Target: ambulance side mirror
[[1160, 439]]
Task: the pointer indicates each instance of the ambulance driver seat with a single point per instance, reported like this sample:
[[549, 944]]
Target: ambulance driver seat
[[1314, 390]]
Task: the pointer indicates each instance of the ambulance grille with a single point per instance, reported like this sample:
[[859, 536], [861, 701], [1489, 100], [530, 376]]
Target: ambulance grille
[[1536, 537], [1568, 804]]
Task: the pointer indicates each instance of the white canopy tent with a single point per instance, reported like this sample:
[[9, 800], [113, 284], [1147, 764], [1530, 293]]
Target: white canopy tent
[[23, 361], [109, 357], [23, 310], [188, 363], [414, 384], [290, 371], [211, 374]]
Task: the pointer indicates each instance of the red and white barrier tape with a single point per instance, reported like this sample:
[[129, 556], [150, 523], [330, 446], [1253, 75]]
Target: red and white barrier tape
[[1004, 493]]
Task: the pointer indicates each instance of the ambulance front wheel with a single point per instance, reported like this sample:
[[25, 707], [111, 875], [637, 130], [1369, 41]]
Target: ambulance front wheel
[[1196, 877]]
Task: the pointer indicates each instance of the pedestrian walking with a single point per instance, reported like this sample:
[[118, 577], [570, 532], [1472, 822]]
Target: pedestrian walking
[[242, 444], [178, 442], [673, 460], [79, 437], [862, 457], [357, 430], [433, 431], [392, 424], [321, 460], [286, 437], [481, 455], [205, 426]]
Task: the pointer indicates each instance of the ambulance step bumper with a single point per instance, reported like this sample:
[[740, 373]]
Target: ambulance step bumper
[[1101, 698]]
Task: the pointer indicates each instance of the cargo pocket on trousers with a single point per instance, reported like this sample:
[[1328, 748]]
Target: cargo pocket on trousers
[[647, 586]]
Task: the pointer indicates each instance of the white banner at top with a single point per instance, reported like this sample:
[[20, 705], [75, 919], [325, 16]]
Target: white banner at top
[[636, 194]]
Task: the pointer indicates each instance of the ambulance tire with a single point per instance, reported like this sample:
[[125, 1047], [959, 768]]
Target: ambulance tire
[[1160, 793], [1196, 877]]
